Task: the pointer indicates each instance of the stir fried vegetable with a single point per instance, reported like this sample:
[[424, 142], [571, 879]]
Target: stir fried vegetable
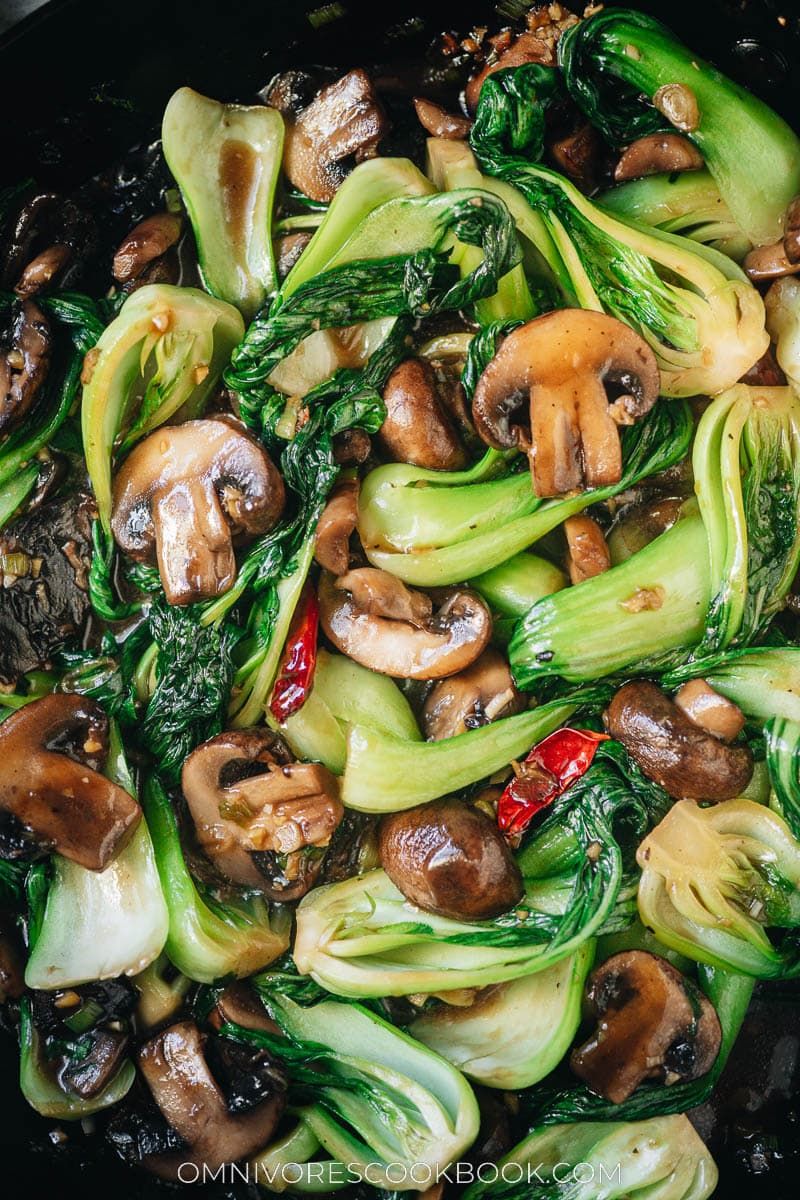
[[430, 572]]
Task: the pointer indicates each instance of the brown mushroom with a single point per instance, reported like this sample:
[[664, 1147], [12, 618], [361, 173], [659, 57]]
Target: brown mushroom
[[558, 366], [709, 710], [440, 123], [146, 242], [639, 523], [24, 366], [337, 522], [791, 231], [449, 858], [89, 1075], [678, 104], [345, 119], [657, 154], [238, 1004], [253, 805], [587, 550], [477, 696], [174, 1067], [288, 250], [769, 262], [527, 48], [686, 761], [418, 428], [376, 620], [42, 270], [577, 155], [652, 1023], [52, 751], [184, 493], [351, 447], [765, 372]]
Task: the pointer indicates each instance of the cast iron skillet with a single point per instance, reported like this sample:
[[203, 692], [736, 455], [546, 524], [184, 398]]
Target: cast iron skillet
[[81, 81]]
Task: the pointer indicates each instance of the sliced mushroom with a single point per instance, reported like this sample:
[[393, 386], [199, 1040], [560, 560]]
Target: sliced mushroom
[[383, 625], [769, 262], [652, 1023], [418, 428], [345, 119], [477, 696], [529, 47], [686, 761], [657, 154], [175, 1070], [184, 493], [87, 1076], [24, 365], [587, 550], [351, 447], [145, 243], [558, 367], [791, 231], [640, 523], [238, 1004], [288, 250], [577, 155], [440, 123], [337, 522], [709, 710], [449, 858], [251, 804], [765, 372], [678, 104], [42, 270], [52, 751]]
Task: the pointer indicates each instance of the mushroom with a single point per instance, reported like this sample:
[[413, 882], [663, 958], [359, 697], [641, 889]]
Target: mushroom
[[345, 119], [88, 1075], [527, 48], [24, 366], [238, 1004], [337, 522], [174, 1067], [418, 428], [652, 1023], [440, 123], [710, 711], [252, 804], [42, 270], [52, 751], [145, 243], [657, 154], [184, 493], [587, 551], [685, 760], [639, 523], [449, 858], [678, 104], [558, 366], [577, 155], [779, 258], [477, 696], [376, 620], [288, 250], [765, 372], [351, 447]]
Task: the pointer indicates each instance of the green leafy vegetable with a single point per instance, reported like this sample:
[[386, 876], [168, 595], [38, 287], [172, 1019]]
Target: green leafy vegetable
[[627, 618], [163, 352], [714, 880], [432, 528], [208, 938], [746, 463], [663, 1157], [693, 305], [614, 66], [372, 1095], [226, 159], [516, 1033]]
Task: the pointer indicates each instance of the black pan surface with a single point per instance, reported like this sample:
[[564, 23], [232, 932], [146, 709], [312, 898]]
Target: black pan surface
[[81, 81]]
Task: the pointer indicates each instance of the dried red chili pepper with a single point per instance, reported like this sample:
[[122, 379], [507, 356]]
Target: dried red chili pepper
[[299, 659], [548, 771]]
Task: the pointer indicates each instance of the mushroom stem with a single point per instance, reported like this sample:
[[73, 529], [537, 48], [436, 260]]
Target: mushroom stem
[[193, 542]]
